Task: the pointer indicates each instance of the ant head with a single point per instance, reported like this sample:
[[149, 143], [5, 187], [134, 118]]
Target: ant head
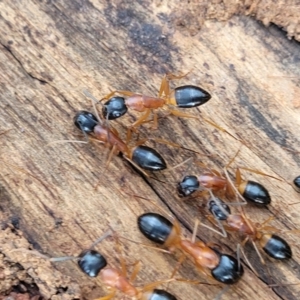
[[216, 210], [155, 227], [188, 185], [114, 108], [91, 262], [228, 271], [85, 121]]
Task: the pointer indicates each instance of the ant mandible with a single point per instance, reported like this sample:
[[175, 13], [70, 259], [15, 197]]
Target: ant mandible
[[142, 156], [275, 246], [222, 267], [185, 96], [93, 263]]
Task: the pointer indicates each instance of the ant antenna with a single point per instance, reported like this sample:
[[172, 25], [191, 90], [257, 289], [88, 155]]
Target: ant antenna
[[108, 233], [93, 99]]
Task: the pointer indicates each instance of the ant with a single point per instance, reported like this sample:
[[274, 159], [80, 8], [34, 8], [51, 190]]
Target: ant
[[275, 246], [93, 263], [185, 96], [222, 267], [248, 190], [297, 184], [143, 156]]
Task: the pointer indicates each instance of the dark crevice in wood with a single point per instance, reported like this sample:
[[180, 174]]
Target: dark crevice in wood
[[21, 65]]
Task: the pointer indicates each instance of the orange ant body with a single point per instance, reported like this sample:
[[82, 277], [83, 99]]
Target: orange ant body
[[184, 96]]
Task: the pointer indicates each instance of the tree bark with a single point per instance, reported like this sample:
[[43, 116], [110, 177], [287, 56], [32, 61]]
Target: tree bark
[[50, 51]]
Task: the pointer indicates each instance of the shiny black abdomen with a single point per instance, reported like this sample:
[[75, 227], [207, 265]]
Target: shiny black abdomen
[[217, 212], [155, 227], [190, 96], [278, 248], [85, 121], [297, 184], [114, 108], [161, 295], [228, 271], [188, 185], [148, 159], [91, 262], [256, 193]]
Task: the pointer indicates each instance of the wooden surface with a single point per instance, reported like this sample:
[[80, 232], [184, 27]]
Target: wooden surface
[[50, 51]]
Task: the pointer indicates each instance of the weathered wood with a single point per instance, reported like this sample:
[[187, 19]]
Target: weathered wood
[[50, 51]]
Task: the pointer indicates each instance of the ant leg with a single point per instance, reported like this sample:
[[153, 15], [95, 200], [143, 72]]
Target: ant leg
[[179, 263], [110, 155], [162, 141], [121, 257], [165, 87], [155, 122], [171, 76], [153, 203], [153, 285], [194, 235], [136, 269], [245, 257], [144, 245], [136, 166], [219, 204], [108, 297], [124, 93], [213, 220], [257, 251], [233, 187], [141, 119], [223, 291], [262, 225], [260, 173], [178, 113], [128, 136]]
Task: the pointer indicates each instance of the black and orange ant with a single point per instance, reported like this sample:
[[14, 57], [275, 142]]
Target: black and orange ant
[[186, 96], [93, 263], [212, 263], [143, 156], [275, 246], [249, 191]]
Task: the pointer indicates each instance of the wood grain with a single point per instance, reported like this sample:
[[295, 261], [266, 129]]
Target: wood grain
[[51, 50]]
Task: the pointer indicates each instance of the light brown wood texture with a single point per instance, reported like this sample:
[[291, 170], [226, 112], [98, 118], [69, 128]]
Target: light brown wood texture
[[50, 51]]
